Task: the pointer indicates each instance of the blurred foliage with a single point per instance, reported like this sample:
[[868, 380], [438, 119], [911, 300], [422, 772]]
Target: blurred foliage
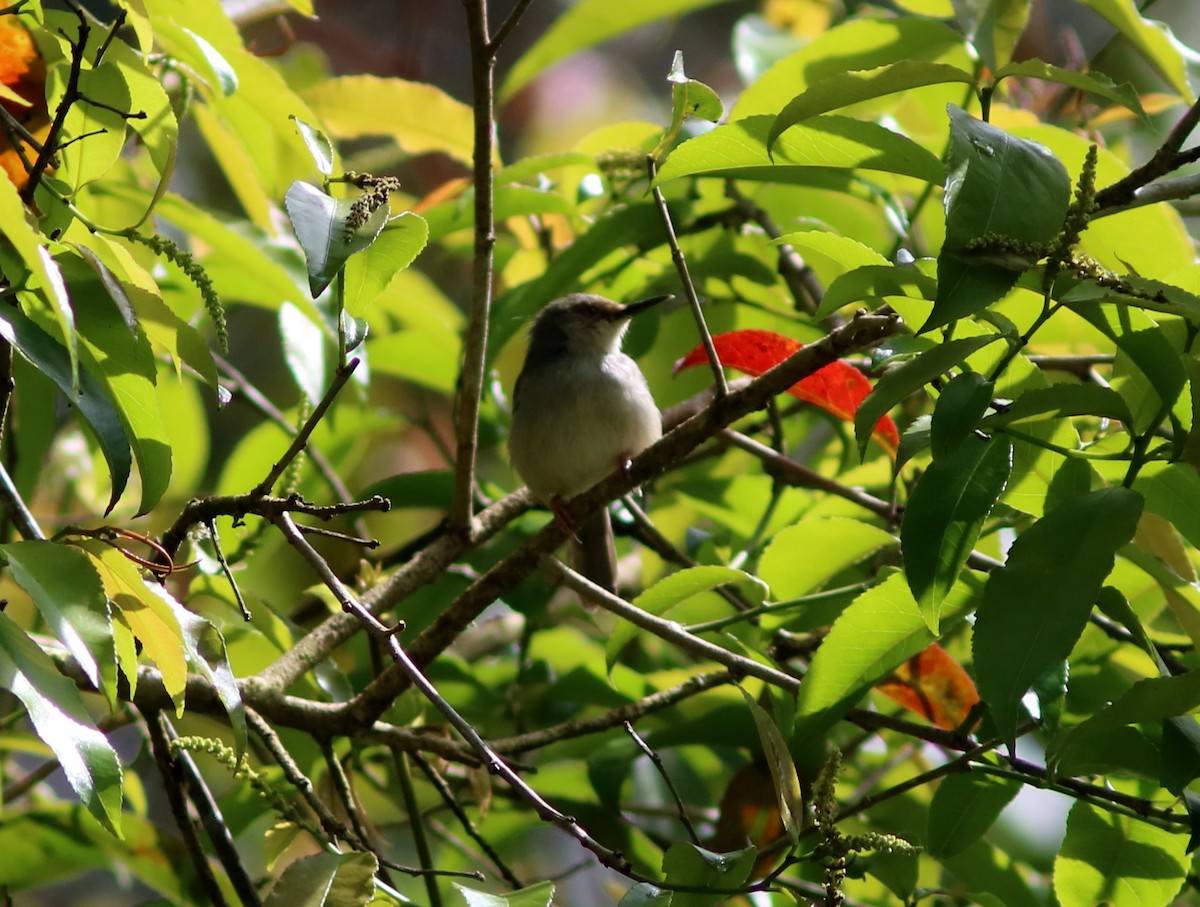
[[200, 242]]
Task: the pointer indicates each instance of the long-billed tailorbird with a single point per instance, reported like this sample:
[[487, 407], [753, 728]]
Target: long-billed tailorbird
[[581, 410]]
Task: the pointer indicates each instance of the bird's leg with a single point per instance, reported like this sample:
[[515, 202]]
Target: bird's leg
[[557, 507]]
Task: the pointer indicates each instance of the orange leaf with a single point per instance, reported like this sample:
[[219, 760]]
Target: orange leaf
[[23, 77], [838, 388], [749, 812], [933, 685]]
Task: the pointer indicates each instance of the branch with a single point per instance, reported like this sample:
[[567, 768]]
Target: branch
[[861, 331], [471, 378], [70, 95], [340, 377], [1167, 158], [685, 278]]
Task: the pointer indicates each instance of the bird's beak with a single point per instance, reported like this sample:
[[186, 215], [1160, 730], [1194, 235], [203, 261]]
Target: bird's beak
[[635, 308]]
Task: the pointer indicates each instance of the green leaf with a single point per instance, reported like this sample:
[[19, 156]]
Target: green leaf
[[539, 895], [848, 88], [1117, 860], [964, 806], [873, 282], [1173, 492], [991, 177], [320, 222], [318, 145], [674, 589], [421, 118], [843, 542], [123, 363], [992, 26], [690, 98], [367, 275], [783, 769], [303, 351], [223, 74], [898, 383], [15, 228], [58, 715], [90, 158], [1062, 400], [960, 406], [685, 864], [586, 24], [1146, 702], [643, 894], [858, 43], [1037, 604], [90, 400], [945, 515], [64, 586], [879, 631], [740, 150], [1153, 40], [326, 880], [159, 129], [1094, 82]]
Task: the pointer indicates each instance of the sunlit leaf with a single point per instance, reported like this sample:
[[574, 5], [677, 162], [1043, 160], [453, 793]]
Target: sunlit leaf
[[1117, 860], [367, 275], [1094, 82], [420, 117], [58, 715], [586, 24], [848, 88], [1153, 40], [328, 232]]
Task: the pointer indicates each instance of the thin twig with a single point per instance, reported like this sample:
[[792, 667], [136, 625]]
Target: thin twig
[[507, 26], [685, 277], [15, 507], [242, 385], [471, 378], [70, 95], [1168, 157], [662, 771], [447, 795], [340, 377], [237, 592]]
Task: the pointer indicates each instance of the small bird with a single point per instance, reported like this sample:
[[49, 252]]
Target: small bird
[[581, 410]]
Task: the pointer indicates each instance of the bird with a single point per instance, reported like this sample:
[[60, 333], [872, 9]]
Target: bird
[[581, 410]]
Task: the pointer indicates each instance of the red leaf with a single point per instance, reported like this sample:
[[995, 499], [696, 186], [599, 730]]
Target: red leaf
[[933, 685], [838, 388]]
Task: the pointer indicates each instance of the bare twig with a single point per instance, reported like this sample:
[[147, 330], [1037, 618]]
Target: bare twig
[[801, 280], [70, 96], [662, 771], [237, 592], [447, 795], [15, 507], [471, 378], [340, 377], [1168, 157], [685, 277]]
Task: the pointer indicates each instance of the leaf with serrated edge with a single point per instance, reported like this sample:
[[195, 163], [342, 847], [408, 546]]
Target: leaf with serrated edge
[[783, 769], [1037, 604], [58, 715]]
